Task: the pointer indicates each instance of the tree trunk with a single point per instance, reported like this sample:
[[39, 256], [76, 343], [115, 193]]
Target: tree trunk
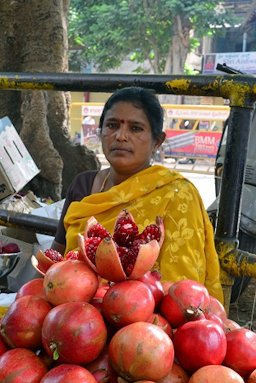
[[178, 51], [33, 38]]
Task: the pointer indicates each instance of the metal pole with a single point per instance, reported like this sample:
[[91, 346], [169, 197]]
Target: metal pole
[[233, 173]]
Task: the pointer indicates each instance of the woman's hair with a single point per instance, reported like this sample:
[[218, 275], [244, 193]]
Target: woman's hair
[[143, 99]]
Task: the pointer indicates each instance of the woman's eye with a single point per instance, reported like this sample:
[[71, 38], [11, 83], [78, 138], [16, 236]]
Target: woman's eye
[[112, 125], [136, 128]]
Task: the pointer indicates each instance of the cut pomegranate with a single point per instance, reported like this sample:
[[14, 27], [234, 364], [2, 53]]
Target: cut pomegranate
[[127, 254], [44, 259]]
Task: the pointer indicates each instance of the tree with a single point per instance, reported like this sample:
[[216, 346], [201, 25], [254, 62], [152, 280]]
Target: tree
[[33, 38], [153, 31]]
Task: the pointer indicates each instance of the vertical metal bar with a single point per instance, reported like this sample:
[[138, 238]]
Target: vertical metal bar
[[233, 173]]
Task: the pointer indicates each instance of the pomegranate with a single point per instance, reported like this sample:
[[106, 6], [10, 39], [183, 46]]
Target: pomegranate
[[21, 365], [32, 287], [152, 280], [10, 248], [67, 373], [241, 351], [126, 254], [230, 325], [74, 333], [22, 324], [214, 318], [252, 377], [70, 281], [166, 285], [3, 346], [44, 259], [185, 301], [199, 343], [176, 375], [141, 351], [127, 302], [101, 368], [217, 308], [160, 321], [215, 374]]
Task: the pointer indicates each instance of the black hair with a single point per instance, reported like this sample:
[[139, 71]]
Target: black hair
[[142, 98]]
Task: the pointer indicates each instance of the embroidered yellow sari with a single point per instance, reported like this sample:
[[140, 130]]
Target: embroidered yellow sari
[[188, 251]]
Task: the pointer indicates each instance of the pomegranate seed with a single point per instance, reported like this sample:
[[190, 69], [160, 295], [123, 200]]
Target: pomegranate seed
[[72, 254], [91, 245], [125, 231], [151, 232], [54, 255], [98, 230]]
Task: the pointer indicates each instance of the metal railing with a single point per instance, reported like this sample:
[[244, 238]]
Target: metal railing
[[239, 89]]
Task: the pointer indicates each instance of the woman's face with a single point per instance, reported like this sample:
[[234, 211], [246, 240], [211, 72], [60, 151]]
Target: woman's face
[[126, 137]]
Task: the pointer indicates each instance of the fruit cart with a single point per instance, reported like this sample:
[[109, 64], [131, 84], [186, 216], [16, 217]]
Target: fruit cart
[[239, 89]]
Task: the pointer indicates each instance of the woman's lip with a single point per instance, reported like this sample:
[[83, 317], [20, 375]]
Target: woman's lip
[[120, 150]]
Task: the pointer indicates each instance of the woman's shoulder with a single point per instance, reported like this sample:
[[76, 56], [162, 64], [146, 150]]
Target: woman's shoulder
[[82, 184]]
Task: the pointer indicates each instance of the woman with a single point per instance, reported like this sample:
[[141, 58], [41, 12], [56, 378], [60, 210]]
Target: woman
[[131, 130]]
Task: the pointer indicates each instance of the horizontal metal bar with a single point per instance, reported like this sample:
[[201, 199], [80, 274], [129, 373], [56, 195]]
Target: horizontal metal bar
[[240, 89], [34, 223]]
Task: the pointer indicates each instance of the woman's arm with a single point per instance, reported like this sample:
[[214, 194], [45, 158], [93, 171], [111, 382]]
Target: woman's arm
[[58, 246]]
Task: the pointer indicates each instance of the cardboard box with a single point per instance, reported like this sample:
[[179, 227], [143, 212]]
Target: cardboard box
[[17, 167]]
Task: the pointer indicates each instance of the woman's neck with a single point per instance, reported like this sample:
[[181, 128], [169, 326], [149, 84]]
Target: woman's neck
[[112, 178]]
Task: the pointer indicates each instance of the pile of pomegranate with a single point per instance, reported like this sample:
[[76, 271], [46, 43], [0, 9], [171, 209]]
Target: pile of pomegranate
[[71, 325]]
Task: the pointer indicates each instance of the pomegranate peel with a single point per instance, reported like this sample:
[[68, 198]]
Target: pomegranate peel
[[81, 244], [41, 263], [144, 262], [107, 261]]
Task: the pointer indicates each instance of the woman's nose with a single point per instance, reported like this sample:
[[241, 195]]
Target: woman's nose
[[122, 133]]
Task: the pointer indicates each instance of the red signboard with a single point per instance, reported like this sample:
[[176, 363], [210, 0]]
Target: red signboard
[[191, 143]]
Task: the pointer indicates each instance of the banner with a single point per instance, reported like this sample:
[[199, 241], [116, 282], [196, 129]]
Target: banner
[[242, 61], [192, 143]]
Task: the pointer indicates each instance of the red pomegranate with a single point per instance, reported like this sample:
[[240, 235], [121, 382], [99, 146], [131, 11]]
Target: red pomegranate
[[126, 254], [3, 346], [166, 285], [199, 343], [230, 325], [74, 333], [32, 287], [127, 302], [215, 318], [21, 365], [67, 373], [215, 374], [176, 375], [241, 351], [152, 280], [160, 321], [70, 281], [101, 368], [141, 351], [252, 377], [22, 324], [217, 308], [185, 301], [44, 259]]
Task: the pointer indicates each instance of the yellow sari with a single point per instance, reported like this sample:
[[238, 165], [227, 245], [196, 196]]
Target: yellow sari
[[188, 251]]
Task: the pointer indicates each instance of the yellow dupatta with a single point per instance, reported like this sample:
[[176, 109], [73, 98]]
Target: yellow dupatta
[[188, 250]]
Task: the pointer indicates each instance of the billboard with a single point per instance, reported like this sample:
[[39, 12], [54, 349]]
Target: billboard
[[242, 61], [192, 143]]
